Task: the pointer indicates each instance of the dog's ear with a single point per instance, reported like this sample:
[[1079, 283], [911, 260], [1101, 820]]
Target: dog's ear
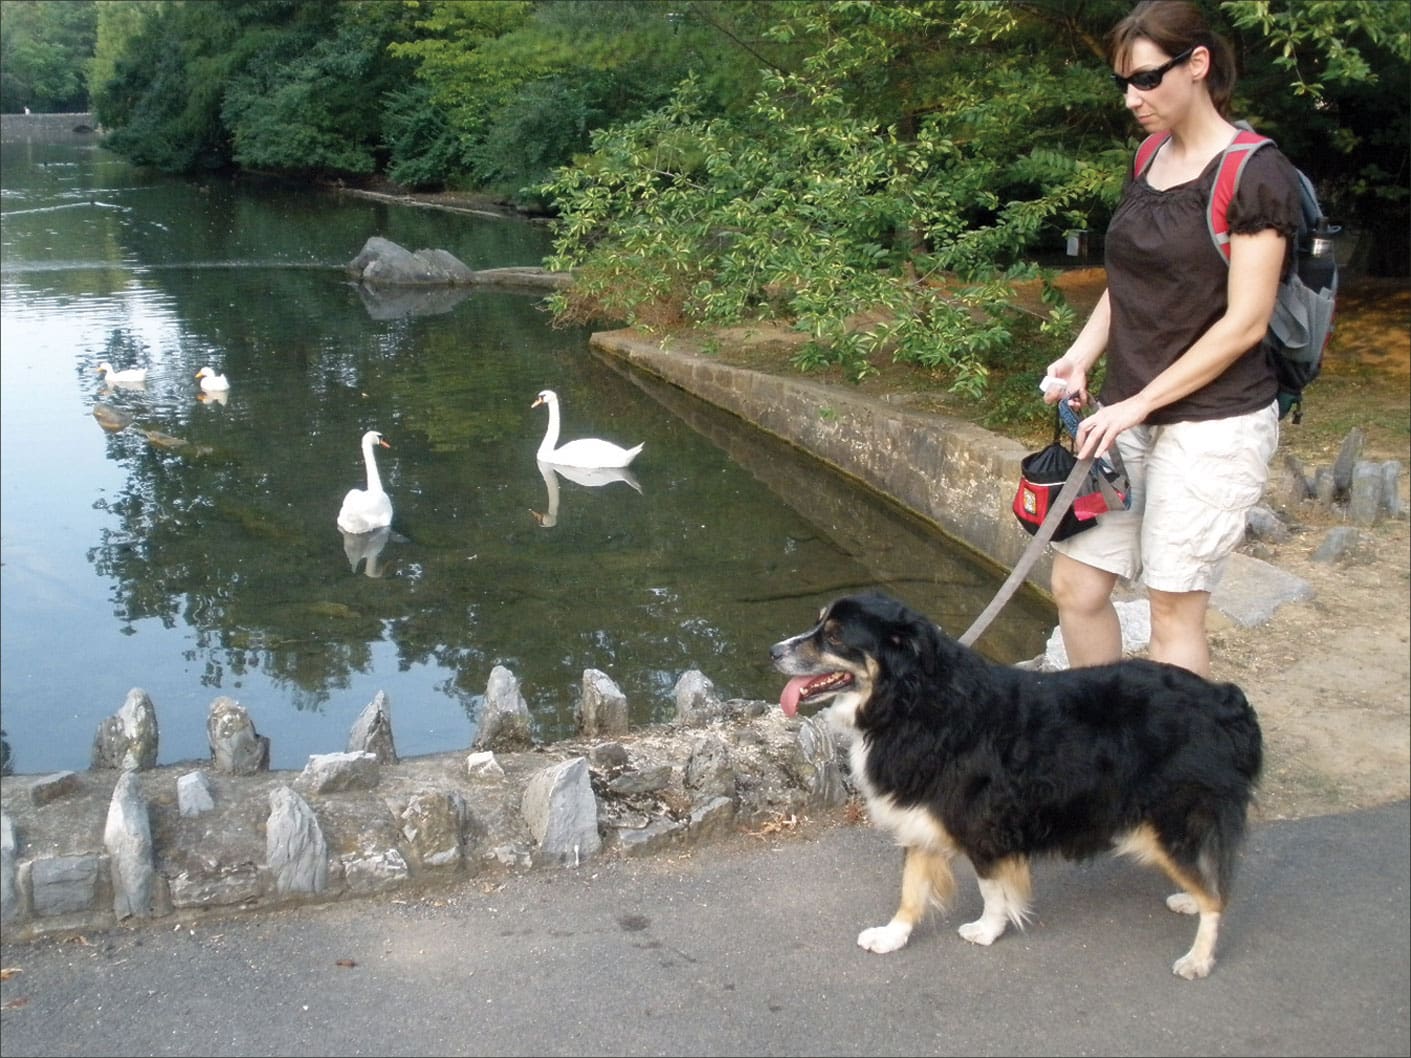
[[910, 658]]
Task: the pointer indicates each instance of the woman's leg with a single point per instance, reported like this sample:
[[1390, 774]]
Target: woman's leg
[[1178, 629], [1092, 633]]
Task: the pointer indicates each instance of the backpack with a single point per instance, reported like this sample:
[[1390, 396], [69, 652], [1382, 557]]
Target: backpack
[[1302, 321]]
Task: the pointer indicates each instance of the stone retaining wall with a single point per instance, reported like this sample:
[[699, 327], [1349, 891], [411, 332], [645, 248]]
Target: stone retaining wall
[[109, 846]]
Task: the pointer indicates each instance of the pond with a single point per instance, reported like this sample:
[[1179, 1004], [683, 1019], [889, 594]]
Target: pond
[[193, 552]]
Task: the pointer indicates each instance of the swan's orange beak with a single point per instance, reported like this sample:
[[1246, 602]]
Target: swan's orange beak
[[537, 402], [383, 442]]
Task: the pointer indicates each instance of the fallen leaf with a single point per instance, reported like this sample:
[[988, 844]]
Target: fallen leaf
[[8, 972], [346, 963]]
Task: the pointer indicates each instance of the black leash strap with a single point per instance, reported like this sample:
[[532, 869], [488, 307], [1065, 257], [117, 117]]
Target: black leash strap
[[1066, 496]]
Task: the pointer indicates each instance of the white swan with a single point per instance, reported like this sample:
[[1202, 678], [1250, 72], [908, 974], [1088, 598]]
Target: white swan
[[367, 509], [212, 382], [127, 376], [589, 452]]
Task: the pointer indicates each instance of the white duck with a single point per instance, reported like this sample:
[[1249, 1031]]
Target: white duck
[[128, 376], [212, 382], [588, 452], [367, 509]]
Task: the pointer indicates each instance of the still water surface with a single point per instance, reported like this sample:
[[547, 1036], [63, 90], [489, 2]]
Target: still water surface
[[194, 552]]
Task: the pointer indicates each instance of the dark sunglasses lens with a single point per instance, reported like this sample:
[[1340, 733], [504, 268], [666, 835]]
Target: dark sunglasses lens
[[1144, 81]]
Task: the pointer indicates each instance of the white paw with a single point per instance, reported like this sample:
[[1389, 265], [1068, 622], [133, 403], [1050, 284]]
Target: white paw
[[1192, 968], [1183, 903], [883, 939], [981, 932]]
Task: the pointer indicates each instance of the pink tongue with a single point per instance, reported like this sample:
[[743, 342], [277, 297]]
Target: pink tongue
[[793, 691]]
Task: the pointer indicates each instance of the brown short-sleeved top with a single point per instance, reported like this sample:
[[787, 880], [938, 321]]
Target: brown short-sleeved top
[[1166, 283]]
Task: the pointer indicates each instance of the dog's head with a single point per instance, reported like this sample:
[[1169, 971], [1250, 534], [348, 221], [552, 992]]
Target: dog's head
[[862, 647]]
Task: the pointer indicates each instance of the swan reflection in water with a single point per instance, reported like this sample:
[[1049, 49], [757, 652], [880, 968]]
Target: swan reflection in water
[[592, 478], [367, 548], [215, 396]]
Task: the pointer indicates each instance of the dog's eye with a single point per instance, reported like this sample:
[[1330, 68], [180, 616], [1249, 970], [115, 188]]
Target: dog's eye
[[833, 633]]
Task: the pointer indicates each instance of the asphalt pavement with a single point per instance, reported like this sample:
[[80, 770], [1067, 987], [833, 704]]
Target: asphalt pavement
[[748, 947]]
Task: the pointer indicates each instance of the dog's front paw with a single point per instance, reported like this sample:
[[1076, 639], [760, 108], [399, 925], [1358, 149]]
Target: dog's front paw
[[981, 931], [1192, 967], [883, 939]]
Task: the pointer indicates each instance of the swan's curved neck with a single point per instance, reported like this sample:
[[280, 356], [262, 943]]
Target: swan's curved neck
[[374, 481], [551, 436]]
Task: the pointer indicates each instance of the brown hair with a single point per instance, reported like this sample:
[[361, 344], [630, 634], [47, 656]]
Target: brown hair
[[1173, 26]]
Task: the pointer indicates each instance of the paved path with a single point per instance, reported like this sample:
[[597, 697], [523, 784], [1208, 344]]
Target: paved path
[[747, 947]]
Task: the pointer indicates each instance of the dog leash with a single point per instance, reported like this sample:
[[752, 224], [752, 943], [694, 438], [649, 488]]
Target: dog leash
[[1071, 487]]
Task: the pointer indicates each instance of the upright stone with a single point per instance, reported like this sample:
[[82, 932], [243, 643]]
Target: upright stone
[[696, 700], [295, 850], [236, 748], [1348, 455], [372, 730], [504, 718], [128, 738], [562, 813], [1364, 502], [1391, 487], [603, 709], [127, 836]]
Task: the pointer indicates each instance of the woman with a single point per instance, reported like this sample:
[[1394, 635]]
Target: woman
[[1189, 397]]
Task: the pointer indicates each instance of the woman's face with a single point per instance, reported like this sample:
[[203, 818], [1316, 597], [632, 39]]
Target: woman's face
[[1160, 107]]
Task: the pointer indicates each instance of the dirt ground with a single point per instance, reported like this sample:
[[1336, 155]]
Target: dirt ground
[[1330, 676]]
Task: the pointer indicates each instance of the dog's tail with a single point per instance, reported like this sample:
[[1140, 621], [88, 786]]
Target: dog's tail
[[1226, 832]]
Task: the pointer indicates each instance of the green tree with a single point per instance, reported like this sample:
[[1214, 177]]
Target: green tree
[[509, 90], [311, 99], [44, 48], [885, 194], [119, 21]]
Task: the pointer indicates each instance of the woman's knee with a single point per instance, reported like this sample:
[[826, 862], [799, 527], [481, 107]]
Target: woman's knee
[[1078, 587]]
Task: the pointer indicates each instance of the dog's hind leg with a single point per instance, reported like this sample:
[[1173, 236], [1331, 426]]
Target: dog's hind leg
[[1006, 887], [926, 880], [1200, 893]]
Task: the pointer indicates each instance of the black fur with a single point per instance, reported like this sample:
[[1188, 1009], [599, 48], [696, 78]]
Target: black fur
[[1012, 763]]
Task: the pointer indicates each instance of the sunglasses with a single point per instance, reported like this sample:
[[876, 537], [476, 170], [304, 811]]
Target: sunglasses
[[1146, 80]]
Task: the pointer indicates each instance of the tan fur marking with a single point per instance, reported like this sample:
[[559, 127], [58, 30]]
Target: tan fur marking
[[1142, 845], [926, 882], [1013, 874]]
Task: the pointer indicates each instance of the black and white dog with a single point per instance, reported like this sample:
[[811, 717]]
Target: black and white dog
[[958, 755]]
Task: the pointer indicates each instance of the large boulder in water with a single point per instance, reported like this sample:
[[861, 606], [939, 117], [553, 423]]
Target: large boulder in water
[[384, 262]]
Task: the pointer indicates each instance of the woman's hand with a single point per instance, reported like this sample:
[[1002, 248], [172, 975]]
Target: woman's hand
[[1098, 432], [1074, 379]]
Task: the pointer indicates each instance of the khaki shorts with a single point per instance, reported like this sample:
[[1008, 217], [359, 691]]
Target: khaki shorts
[[1192, 486]]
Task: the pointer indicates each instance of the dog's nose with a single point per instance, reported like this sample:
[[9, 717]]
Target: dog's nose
[[776, 652]]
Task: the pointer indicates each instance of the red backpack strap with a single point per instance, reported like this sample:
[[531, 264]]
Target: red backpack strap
[[1232, 162], [1147, 151]]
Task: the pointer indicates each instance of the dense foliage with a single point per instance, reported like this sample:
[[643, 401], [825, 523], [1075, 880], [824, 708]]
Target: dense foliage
[[877, 174], [44, 48]]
